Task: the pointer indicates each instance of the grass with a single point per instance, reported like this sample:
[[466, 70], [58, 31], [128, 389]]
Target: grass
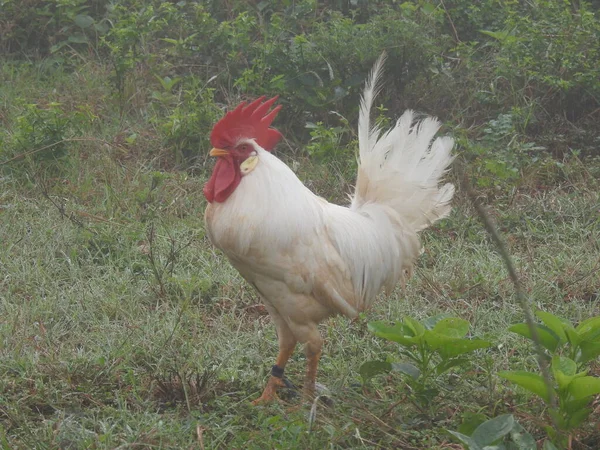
[[121, 326]]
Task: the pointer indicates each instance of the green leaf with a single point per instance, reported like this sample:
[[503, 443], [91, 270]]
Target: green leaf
[[78, 38], [578, 417], [417, 328], [531, 381], [470, 422], [548, 338], [452, 327], [562, 380], [573, 337], [549, 446], [371, 368], [431, 322], [571, 407], [584, 387], [56, 47], [425, 395], [470, 443], [564, 365], [556, 324], [499, 35], [428, 8], [589, 328], [84, 21], [558, 423], [563, 370], [407, 369], [493, 430], [101, 27], [262, 5], [451, 347], [395, 333], [438, 341], [521, 438], [589, 351]]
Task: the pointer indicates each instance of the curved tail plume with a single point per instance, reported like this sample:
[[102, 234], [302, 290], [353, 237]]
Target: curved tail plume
[[402, 168]]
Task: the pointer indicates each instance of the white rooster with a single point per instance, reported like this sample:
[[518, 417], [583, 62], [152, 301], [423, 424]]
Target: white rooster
[[309, 259]]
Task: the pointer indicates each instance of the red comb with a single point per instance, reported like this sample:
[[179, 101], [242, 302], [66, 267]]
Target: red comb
[[250, 122]]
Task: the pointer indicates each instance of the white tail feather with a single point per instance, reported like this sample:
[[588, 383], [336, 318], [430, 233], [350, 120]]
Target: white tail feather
[[367, 136], [402, 168]]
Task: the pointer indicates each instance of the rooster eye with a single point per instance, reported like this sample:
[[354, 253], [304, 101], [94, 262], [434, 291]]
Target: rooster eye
[[244, 147]]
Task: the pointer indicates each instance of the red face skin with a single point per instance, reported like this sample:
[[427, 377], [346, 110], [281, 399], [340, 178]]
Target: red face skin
[[227, 175]]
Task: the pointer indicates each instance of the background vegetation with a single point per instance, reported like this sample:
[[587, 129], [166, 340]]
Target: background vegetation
[[120, 325]]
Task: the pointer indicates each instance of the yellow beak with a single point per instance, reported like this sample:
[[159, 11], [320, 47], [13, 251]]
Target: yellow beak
[[218, 152]]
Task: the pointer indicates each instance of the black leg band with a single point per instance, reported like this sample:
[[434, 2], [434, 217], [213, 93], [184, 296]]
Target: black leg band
[[277, 371]]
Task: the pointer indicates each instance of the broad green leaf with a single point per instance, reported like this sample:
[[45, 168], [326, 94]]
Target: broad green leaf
[[549, 446], [428, 8], [451, 347], [395, 333], [431, 322], [101, 27], [262, 5], [426, 396], [463, 346], [470, 443], [407, 369], [78, 38], [589, 351], [565, 365], [371, 368], [84, 21], [577, 418], [452, 327], [562, 380], [548, 338], [437, 341], [470, 422], [531, 381], [564, 370], [492, 430], [499, 35], [555, 323], [584, 387], [589, 328], [559, 422], [521, 438], [573, 337], [58, 46], [414, 325], [571, 407]]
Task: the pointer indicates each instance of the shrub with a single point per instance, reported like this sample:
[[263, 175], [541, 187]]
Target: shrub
[[40, 136]]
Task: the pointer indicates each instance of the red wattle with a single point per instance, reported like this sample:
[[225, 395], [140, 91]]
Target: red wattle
[[223, 181]]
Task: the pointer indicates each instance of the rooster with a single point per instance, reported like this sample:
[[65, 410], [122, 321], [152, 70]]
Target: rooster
[[309, 259]]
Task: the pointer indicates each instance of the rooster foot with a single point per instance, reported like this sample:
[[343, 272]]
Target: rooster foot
[[270, 393]]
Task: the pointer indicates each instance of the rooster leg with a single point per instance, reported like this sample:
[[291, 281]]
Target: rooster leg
[[287, 344], [313, 354]]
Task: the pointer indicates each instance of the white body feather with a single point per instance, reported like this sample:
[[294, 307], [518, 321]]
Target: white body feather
[[310, 259]]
